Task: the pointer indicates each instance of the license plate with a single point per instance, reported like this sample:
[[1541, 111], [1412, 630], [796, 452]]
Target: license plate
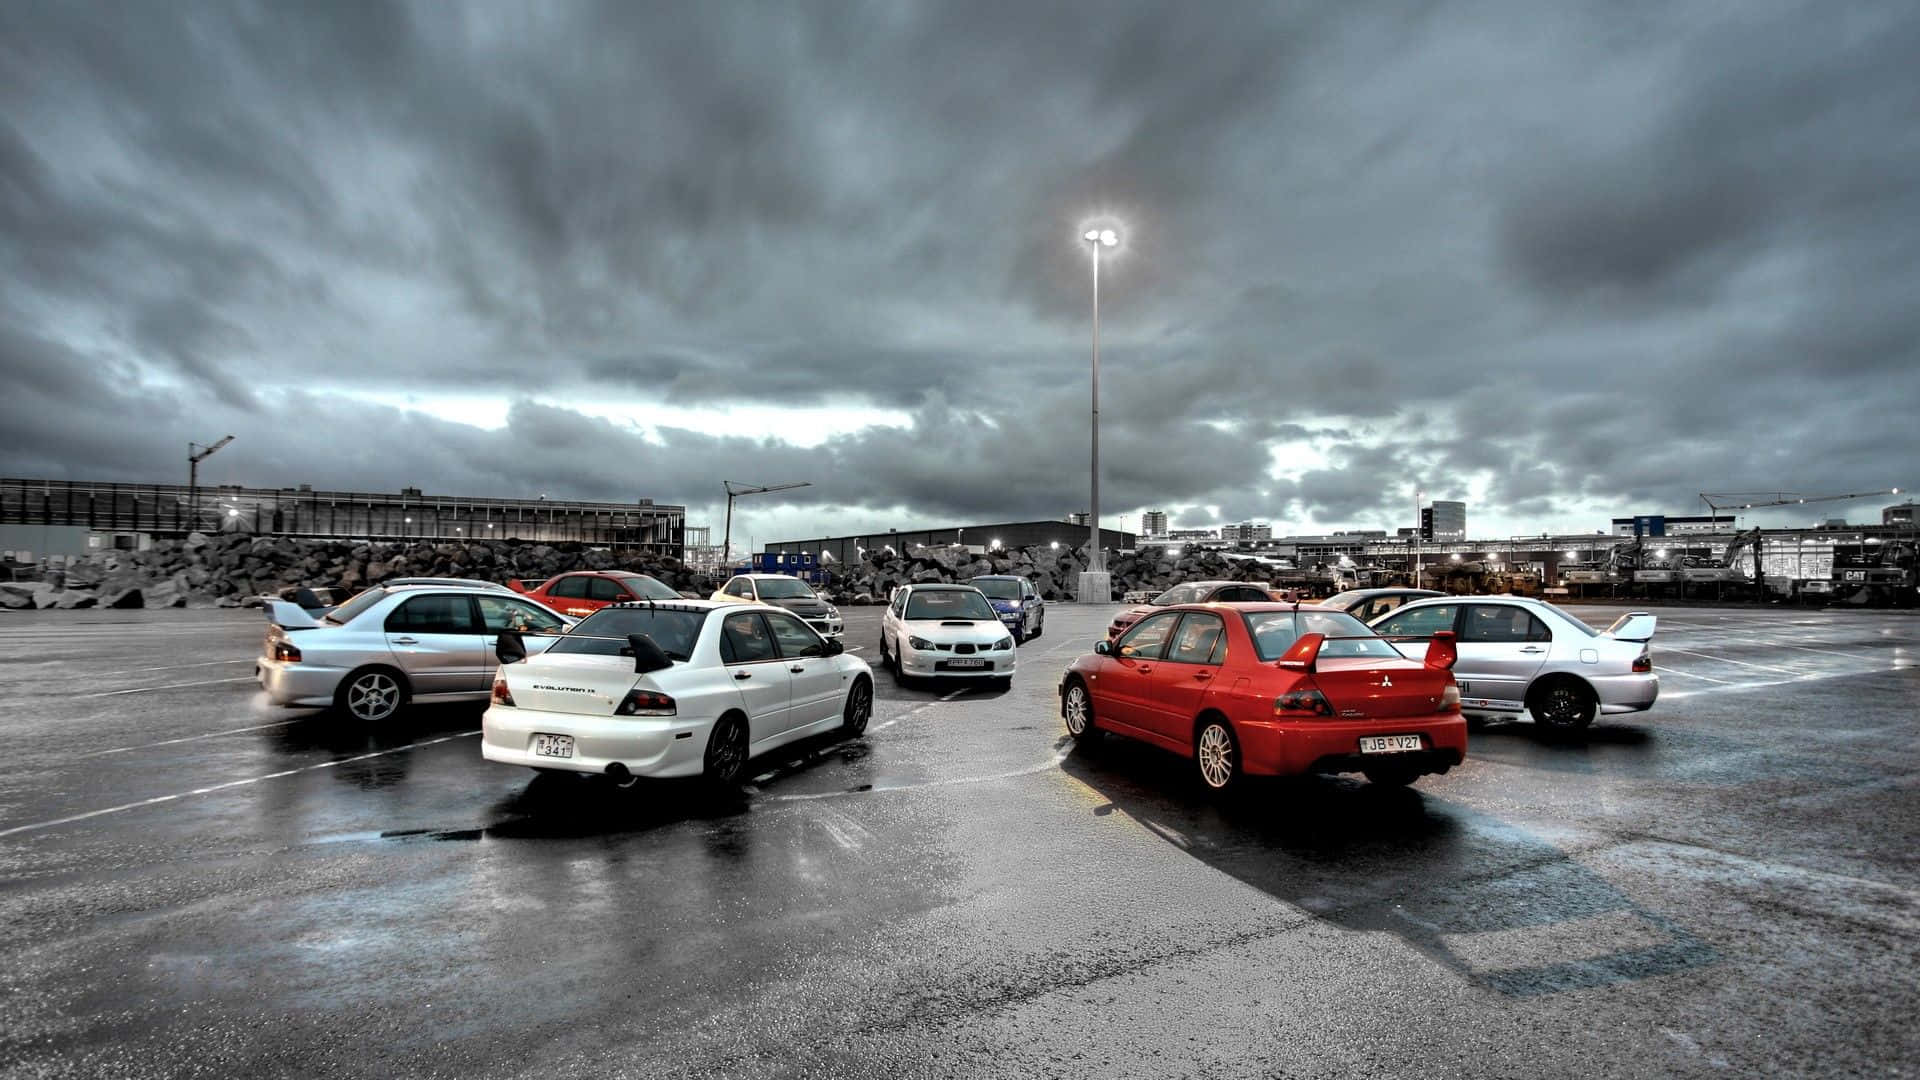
[[966, 663], [553, 746], [1389, 744]]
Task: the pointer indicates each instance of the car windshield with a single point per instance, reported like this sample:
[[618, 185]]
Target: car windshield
[[997, 588], [1180, 594], [948, 604], [1344, 599], [1274, 632], [784, 589], [673, 630], [648, 588], [355, 607]]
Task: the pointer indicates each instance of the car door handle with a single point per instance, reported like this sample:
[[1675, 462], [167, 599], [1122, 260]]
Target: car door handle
[[1144, 668], [1203, 674], [1533, 649], [743, 674], [405, 641], [797, 670]]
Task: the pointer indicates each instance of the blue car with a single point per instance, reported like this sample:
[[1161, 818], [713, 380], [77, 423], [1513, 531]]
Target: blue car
[[1014, 600]]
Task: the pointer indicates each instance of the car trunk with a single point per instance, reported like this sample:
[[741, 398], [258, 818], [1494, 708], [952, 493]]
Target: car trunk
[[571, 682], [1368, 687]]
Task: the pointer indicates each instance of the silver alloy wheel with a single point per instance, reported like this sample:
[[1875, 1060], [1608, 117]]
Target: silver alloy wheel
[[373, 696], [1076, 709], [1215, 755]]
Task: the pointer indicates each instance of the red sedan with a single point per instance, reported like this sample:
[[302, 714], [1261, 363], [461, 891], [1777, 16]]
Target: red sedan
[[1192, 592], [1270, 690], [587, 591]]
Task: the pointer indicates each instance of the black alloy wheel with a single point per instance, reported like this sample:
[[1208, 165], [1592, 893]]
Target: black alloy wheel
[[1565, 705], [726, 755], [859, 708]]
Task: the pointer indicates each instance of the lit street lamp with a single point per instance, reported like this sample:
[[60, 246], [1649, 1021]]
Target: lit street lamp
[[1096, 561]]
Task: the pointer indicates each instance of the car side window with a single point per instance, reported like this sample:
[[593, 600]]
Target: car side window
[[1500, 624], [899, 602], [744, 639], [572, 587], [606, 589], [1147, 638], [1419, 622], [739, 587], [796, 638], [444, 614], [1382, 605], [1198, 640], [505, 613]]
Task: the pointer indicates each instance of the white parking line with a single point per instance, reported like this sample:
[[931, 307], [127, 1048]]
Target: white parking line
[[190, 738], [172, 686], [229, 784], [167, 667], [1817, 677], [1669, 670], [917, 708], [1726, 660]]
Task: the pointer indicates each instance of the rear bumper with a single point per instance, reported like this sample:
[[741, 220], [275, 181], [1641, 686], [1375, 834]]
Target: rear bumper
[[646, 746], [1289, 747], [1633, 692], [297, 684]]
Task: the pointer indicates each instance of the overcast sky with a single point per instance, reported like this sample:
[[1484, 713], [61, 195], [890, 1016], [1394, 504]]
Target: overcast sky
[[1563, 263]]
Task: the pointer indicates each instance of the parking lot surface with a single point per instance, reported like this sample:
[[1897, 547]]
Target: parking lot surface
[[193, 882]]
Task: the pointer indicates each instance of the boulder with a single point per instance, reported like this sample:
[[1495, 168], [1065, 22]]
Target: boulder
[[72, 598], [131, 597]]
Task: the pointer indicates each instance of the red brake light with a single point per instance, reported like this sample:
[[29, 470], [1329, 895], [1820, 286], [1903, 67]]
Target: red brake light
[[645, 703], [501, 695], [1309, 701], [1643, 662], [286, 650]]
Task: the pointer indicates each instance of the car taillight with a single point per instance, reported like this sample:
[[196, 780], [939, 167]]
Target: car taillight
[[1303, 701], [1450, 699], [1643, 662], [286, 650], [645, 703], [501, 695]]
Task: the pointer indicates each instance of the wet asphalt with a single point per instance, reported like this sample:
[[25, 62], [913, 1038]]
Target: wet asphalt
[[193, 882]]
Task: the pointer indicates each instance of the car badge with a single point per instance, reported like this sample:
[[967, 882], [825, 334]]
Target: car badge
[[1386, 680]]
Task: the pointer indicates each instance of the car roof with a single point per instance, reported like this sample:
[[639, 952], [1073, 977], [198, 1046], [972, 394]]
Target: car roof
[[939, 585], [1389, 590], [474, 582], [440, 586], [996, 577], [757, 575], [684, 605]]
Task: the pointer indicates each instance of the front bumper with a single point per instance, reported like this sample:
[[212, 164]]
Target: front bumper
[[658, 746], [288, 683], [827, 626], [1290, 747], [935, 663]]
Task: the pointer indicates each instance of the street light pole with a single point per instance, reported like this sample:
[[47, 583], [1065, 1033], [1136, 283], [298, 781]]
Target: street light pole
[[1096, 560], [1416, 536]]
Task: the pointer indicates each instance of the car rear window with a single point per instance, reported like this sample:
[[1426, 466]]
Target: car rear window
[[674, 631], [355, 607], [1274, 632], [997, 588], [648, 588]]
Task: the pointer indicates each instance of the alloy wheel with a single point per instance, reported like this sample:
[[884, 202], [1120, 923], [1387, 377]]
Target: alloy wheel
[[859, 708], [1076, 710], [373, 696], [1215, 756], [726, 751]]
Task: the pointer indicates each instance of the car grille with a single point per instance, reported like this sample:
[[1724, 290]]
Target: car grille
[[963, 649]]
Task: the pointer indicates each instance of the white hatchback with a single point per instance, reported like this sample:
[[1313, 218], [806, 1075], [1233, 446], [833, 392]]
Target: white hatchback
[[673, 689], [944, 631]]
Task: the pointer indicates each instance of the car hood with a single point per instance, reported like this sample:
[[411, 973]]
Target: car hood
[[1005, 605], [954, 631], [800, 606]]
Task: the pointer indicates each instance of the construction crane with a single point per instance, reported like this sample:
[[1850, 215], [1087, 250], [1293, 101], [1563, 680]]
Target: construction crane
[[734, 489], [1753, 500], [195, 455]]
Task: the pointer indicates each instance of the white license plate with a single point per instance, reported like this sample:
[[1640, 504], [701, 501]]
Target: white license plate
[[966, 663], [1389, 744], [553, 746]]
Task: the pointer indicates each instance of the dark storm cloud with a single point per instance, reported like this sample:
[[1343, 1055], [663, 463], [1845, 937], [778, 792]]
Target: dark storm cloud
[[1546, 258]]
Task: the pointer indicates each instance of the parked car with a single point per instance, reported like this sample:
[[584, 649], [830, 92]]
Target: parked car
[[584, 592], [1192, 592], [387, 646], [1517, 654], [1369, 604], [945, 630], [470, 583], [783, 591], [686, 688], [1019, 606], [1269, 690]]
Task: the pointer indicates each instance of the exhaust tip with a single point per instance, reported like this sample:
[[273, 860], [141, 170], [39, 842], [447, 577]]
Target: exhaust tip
[[617, 771]]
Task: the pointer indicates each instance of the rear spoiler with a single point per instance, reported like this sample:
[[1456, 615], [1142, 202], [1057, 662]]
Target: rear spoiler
[[1633, 626], [288, 615], [524, 585]]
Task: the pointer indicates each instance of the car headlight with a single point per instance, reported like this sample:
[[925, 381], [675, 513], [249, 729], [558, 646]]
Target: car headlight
[[1004, 643], [919, 642], [833, 611]]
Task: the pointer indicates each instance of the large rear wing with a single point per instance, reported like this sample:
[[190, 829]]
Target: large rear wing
[[1633, 626], [288, 615]]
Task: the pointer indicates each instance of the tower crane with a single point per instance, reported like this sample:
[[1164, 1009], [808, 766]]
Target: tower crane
[[195, 455], [734, 489]]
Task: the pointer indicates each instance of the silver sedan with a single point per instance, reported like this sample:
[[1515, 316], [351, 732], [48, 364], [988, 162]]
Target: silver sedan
[[1522, 655], [388, 646]]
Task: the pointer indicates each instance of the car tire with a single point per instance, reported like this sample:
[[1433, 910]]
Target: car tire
[[1216, 756], [1038, 625], [859, 707], [1400, 777], [1003, 683], [1563, 704], [1076, 708], [372, 695], [726, 756]]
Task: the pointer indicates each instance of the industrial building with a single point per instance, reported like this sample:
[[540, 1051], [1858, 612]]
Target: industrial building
[[127, 515], [1247, 532], [1153, 523], [1011, 534], [1443, 519]]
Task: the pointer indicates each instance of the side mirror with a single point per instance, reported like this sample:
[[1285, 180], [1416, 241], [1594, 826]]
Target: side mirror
[[646, 655], [834, 648], [1304, 654], [1442, 653], [1103, 648], [510, 647]]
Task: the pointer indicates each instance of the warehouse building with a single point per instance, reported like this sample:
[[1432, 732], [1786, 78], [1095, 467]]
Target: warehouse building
[[1012, 534]]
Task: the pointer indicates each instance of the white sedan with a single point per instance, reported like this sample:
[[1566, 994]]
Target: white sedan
[[945, 630], [673, 689]]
